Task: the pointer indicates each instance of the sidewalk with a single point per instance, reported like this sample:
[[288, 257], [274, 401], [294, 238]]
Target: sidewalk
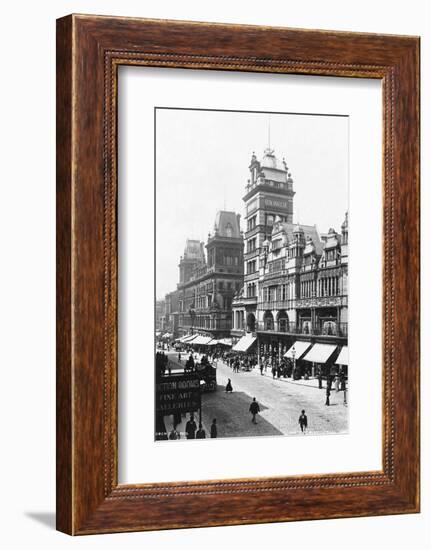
[[310, 383]]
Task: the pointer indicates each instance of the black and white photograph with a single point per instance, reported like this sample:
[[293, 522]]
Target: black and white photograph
[[251, 274]]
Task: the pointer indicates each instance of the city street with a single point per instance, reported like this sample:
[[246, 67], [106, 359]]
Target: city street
[[280, 401]]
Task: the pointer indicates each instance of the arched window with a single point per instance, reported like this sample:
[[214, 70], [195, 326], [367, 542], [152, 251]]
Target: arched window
[[229, 230], [268, 321]]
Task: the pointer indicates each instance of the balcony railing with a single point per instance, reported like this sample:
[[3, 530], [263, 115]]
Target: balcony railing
[[321, 328], [304, 303], [277, 304], [221, 324]]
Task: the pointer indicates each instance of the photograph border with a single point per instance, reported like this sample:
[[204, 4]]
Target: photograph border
[[89, 51]]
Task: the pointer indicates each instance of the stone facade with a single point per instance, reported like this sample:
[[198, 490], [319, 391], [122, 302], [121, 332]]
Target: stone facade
[[295, 280], [209, 280]]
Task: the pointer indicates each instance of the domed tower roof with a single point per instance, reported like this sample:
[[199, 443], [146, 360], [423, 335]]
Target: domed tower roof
[[227, 224]]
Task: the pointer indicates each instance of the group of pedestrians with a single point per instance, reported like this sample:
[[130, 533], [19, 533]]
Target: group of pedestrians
[[192, 431]]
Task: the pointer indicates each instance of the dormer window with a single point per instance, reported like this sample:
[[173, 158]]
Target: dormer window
[[229, 230]]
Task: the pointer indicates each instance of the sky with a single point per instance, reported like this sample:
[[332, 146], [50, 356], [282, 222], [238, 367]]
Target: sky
[[202, 160]]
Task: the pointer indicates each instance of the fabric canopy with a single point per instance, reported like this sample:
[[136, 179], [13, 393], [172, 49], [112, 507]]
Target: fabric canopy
[[213, 342], [225, 341], [158, 333], [299, 347], [320, 353], [189, 338], [244, 343], [343, 358], [202, 340], [167, 335]]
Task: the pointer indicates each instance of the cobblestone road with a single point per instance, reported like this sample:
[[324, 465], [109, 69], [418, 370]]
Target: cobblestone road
[[280, 400]]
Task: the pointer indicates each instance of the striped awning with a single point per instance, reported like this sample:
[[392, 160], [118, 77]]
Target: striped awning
[[299, 348], [343, 357], [320, 353], [189, 338]]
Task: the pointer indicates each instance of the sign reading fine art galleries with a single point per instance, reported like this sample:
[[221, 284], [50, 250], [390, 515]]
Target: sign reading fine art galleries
[[178, 393]]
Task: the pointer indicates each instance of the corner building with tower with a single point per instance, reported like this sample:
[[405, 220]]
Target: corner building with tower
[[295, 279]]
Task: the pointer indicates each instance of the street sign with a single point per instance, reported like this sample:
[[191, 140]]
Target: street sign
[[178, 393]]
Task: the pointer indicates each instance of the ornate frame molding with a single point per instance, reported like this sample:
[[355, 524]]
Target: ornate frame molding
[[90, 50]]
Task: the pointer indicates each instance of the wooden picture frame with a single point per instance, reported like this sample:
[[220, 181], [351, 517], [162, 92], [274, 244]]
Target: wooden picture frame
[[89, 51]]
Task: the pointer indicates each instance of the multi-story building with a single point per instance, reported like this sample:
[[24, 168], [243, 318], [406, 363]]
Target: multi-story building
[[159, 312], [269, 195], [208, 282], [295, 282], [170, 315]]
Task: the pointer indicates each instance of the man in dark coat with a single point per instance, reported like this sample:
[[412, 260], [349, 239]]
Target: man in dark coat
[[254, 409], [191, 428], [303, 422]]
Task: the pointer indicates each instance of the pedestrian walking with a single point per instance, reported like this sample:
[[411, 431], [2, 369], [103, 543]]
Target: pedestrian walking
[[229, 386], [214, 429], [328, 393], [261, 369], [274, 371], [303, 422], [179, 357], [342, 381], [191, 428], [200, 434], [319, 377], [254, 409], [337, 383]]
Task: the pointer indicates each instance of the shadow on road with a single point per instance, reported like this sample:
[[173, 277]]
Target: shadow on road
[[232, 413]]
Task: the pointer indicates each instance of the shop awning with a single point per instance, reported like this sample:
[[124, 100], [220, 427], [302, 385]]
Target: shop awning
[[189, 338], [213, 342], [343, 358], [167, 335], [299, 347], [320, 353], [225, 341], [158, 333], [202, 340], [245, 343]]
